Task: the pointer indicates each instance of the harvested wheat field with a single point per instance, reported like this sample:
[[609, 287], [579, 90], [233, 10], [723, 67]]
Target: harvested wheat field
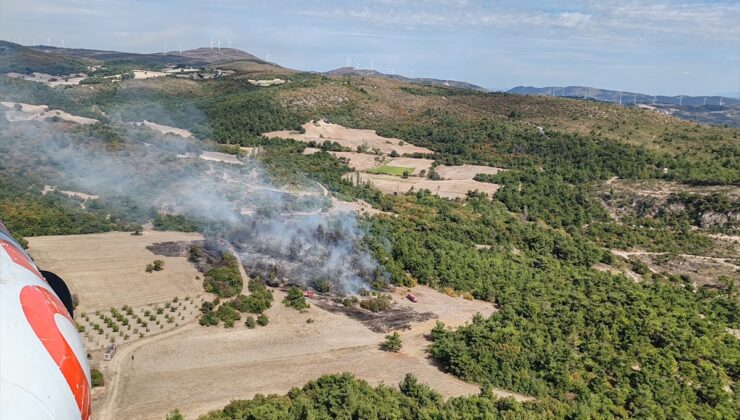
[[417, 164], [199, 369], [164, 129], [321, 131], [465, 171], [49, 80], [449, 188], [107, 269], [147, 74], [358, 161], [29, 112]]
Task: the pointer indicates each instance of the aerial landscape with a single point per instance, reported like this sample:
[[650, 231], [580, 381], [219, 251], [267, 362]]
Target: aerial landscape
[[244, 234]]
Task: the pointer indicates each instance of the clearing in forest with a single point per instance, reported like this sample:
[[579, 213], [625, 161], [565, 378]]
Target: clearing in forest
[[321, 131], [465, 171], [164, 129], [26, 112], [391, 170], [446, 188]]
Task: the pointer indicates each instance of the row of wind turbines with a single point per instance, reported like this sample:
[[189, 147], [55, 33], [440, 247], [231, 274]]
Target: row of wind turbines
[[553, 92], [371, 67]]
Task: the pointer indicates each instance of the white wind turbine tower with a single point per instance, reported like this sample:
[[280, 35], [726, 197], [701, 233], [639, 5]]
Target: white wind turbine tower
[[634, 101], [211, 44], [721, 101], [349, 62], [654, 99], [620, 98], [267, 57], [705, 100], [219, 45], [680, 100], [180, 49], [228, 43], [372, 64]]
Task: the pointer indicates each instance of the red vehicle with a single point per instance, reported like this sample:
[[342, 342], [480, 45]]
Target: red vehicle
[[412, 298], [308, 294]]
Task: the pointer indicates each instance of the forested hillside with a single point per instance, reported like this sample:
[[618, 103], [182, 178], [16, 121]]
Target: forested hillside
[[586, 343]]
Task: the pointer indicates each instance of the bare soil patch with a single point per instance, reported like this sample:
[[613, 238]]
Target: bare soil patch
[[265, 83], [107, 269], [446, 188], [465, 171], [29, 112], [49, 80], [49, 188], [358, 161], [164, 129], [320, 131], [700, 269], [147, 74]]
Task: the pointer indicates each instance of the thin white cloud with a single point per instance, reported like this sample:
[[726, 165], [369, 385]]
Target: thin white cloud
[[705, 20]]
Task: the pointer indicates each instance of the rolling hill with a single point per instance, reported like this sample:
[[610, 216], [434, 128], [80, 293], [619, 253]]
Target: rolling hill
[[625, 98], [712, 110], [20, 59], [351, 71]]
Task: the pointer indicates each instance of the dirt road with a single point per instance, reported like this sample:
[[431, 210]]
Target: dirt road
[[198, 369]]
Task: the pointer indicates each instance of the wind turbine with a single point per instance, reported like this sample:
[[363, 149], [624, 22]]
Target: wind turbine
[[680, 100], [372, 64], [705, 100], [721, 101], [349, 62], [620, 98], [211, 44], [219, 45], [634, 101], [654, 99], [267, 57], [228, 43], [180, 49], [585, 93]]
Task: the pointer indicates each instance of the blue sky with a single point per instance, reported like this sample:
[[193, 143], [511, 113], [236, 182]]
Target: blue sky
[[651, 46]]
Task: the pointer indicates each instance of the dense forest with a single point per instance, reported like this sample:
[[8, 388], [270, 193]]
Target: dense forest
[[345, 397]]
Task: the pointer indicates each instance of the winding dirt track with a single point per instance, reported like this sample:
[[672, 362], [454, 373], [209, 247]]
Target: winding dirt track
[[116, 366]]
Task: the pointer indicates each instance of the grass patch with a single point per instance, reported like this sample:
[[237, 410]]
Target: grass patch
[[391, 170]]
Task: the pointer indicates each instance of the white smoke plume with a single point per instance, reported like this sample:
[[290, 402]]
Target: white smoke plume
[[284, 235]]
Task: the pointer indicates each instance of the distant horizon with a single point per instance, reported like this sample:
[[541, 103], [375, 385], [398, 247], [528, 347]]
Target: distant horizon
[[733, 95], [671, 48]]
